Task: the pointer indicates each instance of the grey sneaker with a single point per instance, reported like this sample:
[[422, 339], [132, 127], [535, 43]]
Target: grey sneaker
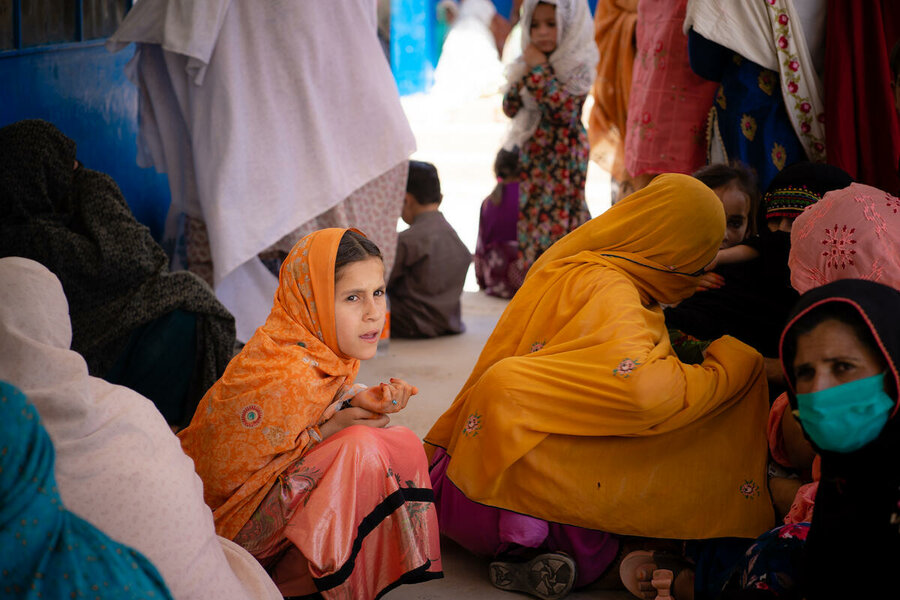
[[546, 576]]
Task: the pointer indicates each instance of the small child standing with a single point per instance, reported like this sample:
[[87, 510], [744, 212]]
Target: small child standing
[[431, 264], [497, 251], [547, 88]]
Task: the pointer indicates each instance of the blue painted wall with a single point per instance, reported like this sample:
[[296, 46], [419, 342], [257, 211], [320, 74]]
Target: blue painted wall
[[82, 89], [412, 44]]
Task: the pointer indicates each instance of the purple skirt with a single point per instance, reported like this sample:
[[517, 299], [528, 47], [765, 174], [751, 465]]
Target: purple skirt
[[498, 267], [489, 531]]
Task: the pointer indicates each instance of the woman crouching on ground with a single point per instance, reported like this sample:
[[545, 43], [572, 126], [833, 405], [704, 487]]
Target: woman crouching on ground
[[297, 463], [579, 421]]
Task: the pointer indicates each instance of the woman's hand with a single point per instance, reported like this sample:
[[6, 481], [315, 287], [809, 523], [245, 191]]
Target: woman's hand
[[352, 416], [533, 57], [385, 398]]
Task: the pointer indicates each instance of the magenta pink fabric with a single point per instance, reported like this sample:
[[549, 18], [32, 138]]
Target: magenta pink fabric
[[490, 531], [497, 251], [804, 503], [668, 105]]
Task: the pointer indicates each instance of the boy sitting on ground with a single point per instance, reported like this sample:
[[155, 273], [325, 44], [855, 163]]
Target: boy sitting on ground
[[426, 283]]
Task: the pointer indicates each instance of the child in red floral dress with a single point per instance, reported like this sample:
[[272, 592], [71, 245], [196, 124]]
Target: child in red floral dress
[[547, 88]]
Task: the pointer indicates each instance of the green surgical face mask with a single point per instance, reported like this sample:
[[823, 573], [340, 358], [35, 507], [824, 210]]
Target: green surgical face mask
[[845, 417]]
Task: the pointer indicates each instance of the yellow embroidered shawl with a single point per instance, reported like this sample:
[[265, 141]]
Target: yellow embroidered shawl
[[252, 422], [578, 410]]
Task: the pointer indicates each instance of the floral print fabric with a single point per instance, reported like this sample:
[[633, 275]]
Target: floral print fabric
[[553, 164], [373, 209], [803, 99], [749, 120], [772, 563]]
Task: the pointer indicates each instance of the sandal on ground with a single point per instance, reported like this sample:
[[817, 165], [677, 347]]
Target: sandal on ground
[[547, 576], [668, 566]]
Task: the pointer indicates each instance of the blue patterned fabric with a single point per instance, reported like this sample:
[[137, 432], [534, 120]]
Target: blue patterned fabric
[[46, 551], [749, 109]]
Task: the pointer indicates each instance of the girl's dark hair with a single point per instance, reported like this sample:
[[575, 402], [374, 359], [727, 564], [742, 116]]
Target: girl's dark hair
[[354, 247], [842, 312], [735, 173], [506, 165]]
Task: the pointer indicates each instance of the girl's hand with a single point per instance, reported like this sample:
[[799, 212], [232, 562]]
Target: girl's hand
[[710, 281], [533, 57], [397, 393], [385, 398], [352, 415]]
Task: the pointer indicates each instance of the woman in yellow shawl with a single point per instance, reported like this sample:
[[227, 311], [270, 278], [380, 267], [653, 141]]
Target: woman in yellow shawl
[[578, 412], [296, 461]]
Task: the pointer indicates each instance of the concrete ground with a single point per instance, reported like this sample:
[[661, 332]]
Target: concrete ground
[[462, 142]]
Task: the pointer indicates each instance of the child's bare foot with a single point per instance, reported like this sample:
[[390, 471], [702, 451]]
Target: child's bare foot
[[656, 575]]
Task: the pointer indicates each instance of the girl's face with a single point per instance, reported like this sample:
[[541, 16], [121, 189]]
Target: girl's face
[[830, 355], [359, 307], [737, 214], [543, 28]]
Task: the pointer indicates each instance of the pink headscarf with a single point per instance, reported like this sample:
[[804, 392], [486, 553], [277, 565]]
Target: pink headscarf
[[853, 233]]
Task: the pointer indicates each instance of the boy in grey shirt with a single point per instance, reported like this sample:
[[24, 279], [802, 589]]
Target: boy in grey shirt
[[426, 282]]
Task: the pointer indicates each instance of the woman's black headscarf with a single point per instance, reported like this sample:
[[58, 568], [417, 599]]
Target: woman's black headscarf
[[116, 277], [855, 531]]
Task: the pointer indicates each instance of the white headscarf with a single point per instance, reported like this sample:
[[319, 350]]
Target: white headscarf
[[118, 465], [574, 61]]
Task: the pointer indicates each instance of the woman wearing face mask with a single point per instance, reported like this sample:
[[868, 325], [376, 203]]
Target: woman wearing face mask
[[840, 352], [852, 233]]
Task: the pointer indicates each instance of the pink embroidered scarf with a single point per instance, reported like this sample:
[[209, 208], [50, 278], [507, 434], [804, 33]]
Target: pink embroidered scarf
[[853, 233]]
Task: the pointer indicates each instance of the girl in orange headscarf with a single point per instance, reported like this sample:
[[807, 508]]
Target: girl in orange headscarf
[[297, 463], [579, 413]]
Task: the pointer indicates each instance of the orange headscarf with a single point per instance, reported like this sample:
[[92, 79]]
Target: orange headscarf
[[615, 22], [252, 423], [578, 411]]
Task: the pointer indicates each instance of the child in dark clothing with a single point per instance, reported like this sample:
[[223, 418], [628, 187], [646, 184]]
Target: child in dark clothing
[[427, 280], [732, 299]]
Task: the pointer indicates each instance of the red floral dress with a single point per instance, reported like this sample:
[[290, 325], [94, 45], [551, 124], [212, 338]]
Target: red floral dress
[[553, 164]]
